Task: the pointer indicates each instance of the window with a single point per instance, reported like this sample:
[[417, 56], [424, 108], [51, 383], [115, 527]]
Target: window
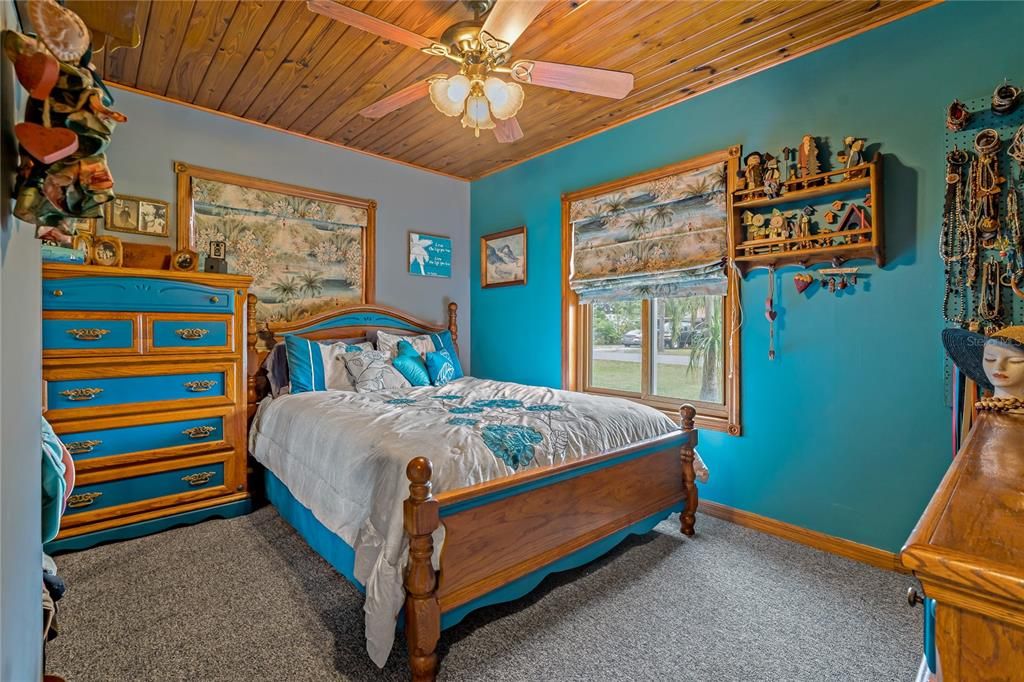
[[648, 312]]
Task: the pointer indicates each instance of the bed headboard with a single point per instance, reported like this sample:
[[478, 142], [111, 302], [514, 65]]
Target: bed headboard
[[339, 323]]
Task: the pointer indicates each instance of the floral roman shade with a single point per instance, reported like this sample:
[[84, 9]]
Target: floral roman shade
[[663, 237]]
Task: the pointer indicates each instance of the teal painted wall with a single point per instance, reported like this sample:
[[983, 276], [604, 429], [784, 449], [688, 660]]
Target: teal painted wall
[[852, 448]]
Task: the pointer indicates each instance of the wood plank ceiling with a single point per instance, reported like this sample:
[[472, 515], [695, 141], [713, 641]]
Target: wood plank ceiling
[[281, 65]]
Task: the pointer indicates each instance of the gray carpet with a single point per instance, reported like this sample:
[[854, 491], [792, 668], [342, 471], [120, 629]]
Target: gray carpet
[[246, 599]]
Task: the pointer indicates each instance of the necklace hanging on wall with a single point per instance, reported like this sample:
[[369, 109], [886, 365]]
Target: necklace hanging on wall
[[990, 300], [955, 242], [770, 313], [1015, 239], [986, 186]]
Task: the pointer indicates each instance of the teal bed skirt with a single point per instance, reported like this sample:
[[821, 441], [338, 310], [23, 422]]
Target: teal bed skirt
[[341, 556]]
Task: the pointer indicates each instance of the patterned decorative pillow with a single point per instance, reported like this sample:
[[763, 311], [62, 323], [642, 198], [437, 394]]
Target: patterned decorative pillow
[[388, 343], [277, 362], [440, 367], [371, 370], [443, 341]]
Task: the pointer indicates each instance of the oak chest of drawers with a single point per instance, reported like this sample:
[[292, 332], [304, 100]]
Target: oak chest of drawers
[[144, 381]]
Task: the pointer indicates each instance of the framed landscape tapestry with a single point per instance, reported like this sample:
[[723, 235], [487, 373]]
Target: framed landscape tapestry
[[307, 250], [503, 258], [430, 255]]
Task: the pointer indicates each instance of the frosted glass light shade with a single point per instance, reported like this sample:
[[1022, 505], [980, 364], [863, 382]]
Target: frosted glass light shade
[[506, 98], [478, 114], [440, 89], [458, 88]]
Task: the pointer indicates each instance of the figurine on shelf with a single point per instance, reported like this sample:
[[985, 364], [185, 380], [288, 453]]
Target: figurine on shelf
[[753, 172], [772, 177], [789, 167], [830, 218], [852, 155], [803, 225], [855, 218], [778, 228], [807, 160]]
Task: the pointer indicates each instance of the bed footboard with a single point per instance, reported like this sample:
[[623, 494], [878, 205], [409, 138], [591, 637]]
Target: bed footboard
[[502, 531]]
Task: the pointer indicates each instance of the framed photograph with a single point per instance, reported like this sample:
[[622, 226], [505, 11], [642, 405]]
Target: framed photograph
[[83, 225], [107, 251], [83, 242], [307, 250], [138, 216], [430, 255], [503, 258]]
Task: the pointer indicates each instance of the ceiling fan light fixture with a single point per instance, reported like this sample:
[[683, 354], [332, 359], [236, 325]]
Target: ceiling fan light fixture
[[439, 95], [478, 114], [458, 88], [506, 98]]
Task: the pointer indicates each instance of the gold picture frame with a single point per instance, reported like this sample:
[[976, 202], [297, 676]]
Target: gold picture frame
[[137, 215], [508, 246], [83, 225], [107, 251]]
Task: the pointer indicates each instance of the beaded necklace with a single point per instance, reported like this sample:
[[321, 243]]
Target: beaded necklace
[[990, 302], [999, 404], [955, 240], [986, 185]]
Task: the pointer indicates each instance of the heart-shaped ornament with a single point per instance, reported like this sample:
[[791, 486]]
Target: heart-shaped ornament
[[771, 315], [37, 73], [801, 282], [46, 144]]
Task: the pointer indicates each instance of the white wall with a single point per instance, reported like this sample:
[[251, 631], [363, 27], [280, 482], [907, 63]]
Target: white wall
[[158, 133], [20, 387]]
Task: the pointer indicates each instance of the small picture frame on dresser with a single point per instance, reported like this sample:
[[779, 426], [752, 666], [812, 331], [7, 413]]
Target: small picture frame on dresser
[[107, 250], [185, 260]]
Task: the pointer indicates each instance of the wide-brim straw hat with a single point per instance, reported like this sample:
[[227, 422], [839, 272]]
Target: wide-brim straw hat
[[967, 349]]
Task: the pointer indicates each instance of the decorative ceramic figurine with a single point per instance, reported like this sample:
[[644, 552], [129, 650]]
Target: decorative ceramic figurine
[[995, 362], [807, 157], [772, 177], [803, 224]]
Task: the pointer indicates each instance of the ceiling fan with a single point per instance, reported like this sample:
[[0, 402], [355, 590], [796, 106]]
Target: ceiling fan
[[481, 48]]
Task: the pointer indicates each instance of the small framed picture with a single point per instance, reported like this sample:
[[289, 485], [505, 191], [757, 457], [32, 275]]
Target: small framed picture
[[503, 258], [185, 260], [107, 250], [430, 255], [83, 242], [138, 216], [82, 225]]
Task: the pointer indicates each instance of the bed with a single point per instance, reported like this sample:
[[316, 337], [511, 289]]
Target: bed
[[436, 501]]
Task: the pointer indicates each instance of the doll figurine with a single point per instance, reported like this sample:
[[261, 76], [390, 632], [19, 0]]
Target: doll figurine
[[807, 158], [852, 155], [803, 225], [753, 172], [772, 177], [995, 362]]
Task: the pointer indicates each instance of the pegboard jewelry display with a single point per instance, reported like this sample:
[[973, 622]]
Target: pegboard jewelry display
[[981, 242]]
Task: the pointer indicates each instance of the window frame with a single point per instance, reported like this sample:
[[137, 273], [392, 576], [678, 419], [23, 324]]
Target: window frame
[[576, 316]]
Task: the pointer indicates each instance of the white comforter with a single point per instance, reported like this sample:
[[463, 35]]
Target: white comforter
[[343, 455]]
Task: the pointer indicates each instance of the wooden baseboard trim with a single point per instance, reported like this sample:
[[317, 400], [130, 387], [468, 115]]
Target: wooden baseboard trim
[[812, 538]]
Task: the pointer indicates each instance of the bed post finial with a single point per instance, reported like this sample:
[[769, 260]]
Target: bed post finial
[[453, 326], [689, 516], [252, 361], [422, 609]]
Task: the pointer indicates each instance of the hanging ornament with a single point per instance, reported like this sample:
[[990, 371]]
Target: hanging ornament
[[770, 312]]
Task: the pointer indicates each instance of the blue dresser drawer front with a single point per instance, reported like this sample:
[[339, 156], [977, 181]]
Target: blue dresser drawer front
[[135, 294], [185, 333], [90, 335], [78, 393], [120, 441], [89, 498]]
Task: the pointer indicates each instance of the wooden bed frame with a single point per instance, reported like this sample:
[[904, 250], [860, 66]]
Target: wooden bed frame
[[560, 516]]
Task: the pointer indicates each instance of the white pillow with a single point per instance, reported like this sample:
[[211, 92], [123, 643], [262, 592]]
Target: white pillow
[[336, 375], [371, 370], [388, 343]]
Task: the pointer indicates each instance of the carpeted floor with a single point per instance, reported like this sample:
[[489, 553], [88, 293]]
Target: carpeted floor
[[246, 599]]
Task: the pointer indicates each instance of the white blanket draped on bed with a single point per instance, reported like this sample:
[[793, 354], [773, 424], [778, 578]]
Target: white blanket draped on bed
[[343, 456]]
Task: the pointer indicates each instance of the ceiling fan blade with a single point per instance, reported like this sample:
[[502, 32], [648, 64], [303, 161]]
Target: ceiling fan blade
[[397, 100], [370, 24], [508, 19], [507, 130], [585, 79]]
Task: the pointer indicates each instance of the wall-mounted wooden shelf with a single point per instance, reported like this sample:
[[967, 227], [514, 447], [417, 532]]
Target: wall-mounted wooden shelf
[[806, 251]]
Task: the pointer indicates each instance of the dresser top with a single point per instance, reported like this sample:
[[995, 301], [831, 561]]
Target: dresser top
[[63, 270], [971, 535]]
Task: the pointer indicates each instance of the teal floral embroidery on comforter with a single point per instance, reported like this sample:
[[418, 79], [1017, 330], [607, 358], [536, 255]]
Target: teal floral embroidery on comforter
[[512, 444]]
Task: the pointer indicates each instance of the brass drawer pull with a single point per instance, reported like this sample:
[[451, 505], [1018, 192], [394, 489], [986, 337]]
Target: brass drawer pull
[[78, 394], [82, 500], [58, 292], [192, 333], [214, 299], [80, 447], [200, 386], [88, 333], [199, 432], [202, 478]]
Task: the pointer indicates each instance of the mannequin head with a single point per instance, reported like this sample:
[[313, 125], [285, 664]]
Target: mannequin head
[[1004, 368]]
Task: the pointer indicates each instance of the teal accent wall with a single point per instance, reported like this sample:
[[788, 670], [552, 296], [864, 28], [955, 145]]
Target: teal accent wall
[[846, 432]]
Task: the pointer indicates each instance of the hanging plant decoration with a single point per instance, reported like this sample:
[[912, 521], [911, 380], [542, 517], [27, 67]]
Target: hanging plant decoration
[[63, 173]]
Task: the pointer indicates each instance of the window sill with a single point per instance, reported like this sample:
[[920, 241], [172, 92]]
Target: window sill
[[709, 417]]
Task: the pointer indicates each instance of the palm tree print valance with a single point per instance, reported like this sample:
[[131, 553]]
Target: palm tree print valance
[[664, 237]]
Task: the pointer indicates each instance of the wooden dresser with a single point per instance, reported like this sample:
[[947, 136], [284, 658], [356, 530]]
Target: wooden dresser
[[968, 552], [144, 381]]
